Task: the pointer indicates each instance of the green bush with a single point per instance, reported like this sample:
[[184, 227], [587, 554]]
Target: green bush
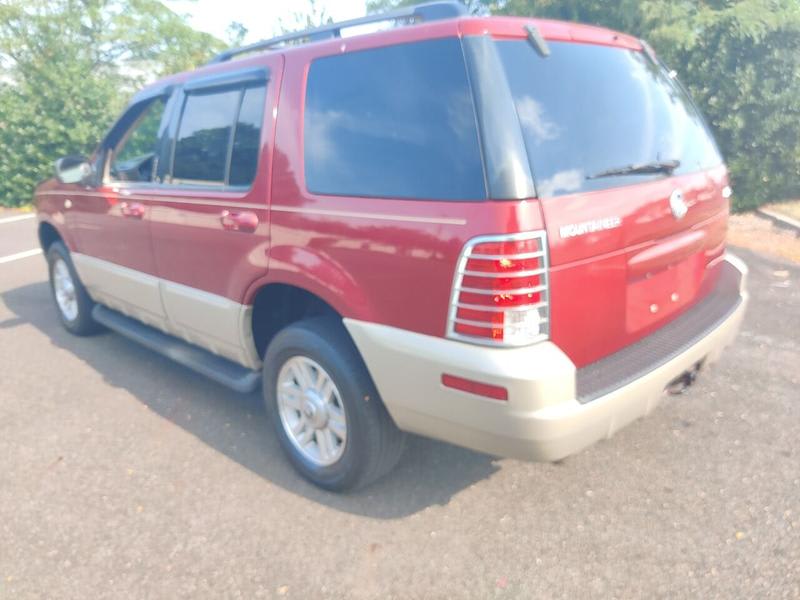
[[744, 72], [40, 123]]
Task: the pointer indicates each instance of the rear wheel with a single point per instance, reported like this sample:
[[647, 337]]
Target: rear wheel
[[311, 411], [325, 408], [72, 301]]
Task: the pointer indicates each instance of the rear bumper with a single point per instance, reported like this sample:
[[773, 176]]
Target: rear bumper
[[553, 409]]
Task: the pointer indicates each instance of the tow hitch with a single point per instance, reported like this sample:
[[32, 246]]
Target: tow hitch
[[682, 382]]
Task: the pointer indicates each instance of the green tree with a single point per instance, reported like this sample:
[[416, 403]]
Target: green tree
[[68, 67], [741, 62], [313, 15]]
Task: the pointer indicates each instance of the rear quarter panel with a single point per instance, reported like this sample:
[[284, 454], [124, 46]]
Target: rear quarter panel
[[377, 259]]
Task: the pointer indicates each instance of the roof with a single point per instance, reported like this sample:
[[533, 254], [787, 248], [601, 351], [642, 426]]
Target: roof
[[442, 24]]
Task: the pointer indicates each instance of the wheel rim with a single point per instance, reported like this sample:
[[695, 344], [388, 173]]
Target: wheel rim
[[64, 289], [311, 411]]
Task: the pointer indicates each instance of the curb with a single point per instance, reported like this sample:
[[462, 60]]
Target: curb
[[780, 220]]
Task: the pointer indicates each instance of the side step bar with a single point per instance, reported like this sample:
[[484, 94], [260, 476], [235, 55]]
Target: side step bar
[[228, 373]]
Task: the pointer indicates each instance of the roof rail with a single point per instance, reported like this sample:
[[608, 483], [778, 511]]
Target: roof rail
[[431, 11]]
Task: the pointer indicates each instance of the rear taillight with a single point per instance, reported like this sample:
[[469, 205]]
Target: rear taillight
[[500, 291]]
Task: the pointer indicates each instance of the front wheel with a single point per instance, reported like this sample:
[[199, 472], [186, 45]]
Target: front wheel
[[325, 409], [72, 300]]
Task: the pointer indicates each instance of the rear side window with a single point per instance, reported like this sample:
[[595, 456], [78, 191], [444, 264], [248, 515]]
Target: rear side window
[[244, 158], [201, 149], [589, 109], [218, 137], [394, 122]]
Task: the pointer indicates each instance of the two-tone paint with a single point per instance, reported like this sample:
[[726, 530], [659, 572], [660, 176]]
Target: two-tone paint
[[174, 256]]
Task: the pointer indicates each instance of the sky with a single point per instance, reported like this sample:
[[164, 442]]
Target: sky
[[261, 17]]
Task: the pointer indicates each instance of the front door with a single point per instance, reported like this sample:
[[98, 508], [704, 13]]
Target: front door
[[115, 258], [210, 217]]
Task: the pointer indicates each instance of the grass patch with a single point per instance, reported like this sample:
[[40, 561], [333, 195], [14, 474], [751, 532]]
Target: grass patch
[[25, 208], [790, 208], [748, 230]]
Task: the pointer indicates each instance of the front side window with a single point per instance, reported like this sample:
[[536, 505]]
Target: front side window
[[218, 137], [589, 111], [134, 157], [393, 122]]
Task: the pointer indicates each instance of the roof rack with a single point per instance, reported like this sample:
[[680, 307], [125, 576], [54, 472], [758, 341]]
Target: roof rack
[[431, 11]]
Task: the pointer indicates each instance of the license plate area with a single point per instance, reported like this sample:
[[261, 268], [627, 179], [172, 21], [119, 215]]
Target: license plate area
[[655, 296]]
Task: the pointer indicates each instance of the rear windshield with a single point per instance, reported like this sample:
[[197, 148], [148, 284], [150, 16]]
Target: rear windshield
[[589, 109]]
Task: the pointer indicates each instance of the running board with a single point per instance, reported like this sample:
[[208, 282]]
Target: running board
[[221, 370]]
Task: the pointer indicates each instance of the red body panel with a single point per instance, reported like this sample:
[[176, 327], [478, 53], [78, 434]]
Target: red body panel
[[105, 231], [194, 240], [603, 284], [50, 209], [378, 259], [392, 261]]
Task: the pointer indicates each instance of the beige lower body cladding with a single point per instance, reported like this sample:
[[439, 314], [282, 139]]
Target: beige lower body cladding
[[541, 420], [217, 324]]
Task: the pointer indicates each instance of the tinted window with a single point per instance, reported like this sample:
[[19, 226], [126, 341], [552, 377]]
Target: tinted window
[[201, 149], [587, 109], [244, 158], [393, 122], [134, 157]]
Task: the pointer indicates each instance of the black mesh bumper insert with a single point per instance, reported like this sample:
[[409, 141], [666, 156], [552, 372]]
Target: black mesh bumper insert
[[630, 363]]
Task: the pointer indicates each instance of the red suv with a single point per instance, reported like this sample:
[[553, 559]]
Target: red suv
[[504, 233]]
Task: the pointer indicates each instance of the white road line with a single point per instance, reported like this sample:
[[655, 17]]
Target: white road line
[[16, 218], [19, 255]]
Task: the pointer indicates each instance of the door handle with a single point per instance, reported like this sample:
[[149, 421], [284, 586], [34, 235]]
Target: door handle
[[238, 221], [133, 210]]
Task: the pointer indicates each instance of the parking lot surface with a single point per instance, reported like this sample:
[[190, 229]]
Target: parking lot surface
[[125, 476]]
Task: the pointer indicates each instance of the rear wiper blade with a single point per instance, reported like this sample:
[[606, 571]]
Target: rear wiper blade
[[659, 166]]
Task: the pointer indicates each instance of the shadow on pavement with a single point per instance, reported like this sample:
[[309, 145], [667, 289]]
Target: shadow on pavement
[[429, 473]]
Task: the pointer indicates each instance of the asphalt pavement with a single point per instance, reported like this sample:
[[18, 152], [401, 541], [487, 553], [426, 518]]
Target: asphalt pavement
[[125, 476]]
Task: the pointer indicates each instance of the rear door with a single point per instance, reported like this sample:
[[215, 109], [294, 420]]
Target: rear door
[[210, 219], [631, 187]]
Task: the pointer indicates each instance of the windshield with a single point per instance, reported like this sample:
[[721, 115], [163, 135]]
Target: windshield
[[588, 109]]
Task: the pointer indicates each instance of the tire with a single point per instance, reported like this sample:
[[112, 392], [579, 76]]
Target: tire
[[73, 304], [372, 443]]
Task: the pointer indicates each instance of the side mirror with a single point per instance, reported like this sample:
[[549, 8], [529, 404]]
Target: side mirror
[[73, 169]]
